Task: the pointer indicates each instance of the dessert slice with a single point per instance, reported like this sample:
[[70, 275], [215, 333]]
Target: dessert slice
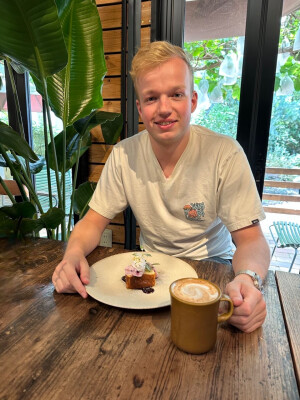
[[140, 273], [135, 282]]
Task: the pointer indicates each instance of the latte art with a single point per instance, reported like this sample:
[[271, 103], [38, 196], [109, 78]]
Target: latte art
[[194, 290]]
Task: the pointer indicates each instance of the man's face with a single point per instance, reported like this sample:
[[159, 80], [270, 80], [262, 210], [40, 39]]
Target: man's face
[[165, 101]]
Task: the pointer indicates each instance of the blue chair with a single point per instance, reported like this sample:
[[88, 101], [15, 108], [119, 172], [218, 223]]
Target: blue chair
[[286, 234]]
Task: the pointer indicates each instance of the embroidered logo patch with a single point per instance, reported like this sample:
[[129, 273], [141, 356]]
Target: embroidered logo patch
[[194, 211]]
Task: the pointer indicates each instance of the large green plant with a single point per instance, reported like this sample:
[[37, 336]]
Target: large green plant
[[59, 42]]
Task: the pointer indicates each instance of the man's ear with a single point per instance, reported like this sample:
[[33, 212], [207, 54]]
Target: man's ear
[[194, 100], [138, 106]]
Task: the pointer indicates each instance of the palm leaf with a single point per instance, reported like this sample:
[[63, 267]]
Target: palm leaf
[[82, 197], [111, 124], [13, 141], [83, 76], [31, 35], [72, 148]]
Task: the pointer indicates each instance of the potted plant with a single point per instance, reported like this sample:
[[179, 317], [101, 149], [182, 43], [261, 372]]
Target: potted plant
[[59, 42]]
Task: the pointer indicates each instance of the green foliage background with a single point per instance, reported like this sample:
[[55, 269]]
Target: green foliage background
[[284, 140]]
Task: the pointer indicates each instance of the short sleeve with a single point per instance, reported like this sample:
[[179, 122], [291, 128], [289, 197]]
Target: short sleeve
[[238, 203], [109, 197]]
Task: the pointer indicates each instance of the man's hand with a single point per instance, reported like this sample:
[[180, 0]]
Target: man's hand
[[249, 305], [71, 274]]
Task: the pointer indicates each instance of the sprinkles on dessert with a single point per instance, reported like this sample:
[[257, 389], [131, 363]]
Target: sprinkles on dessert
[[140, 274]]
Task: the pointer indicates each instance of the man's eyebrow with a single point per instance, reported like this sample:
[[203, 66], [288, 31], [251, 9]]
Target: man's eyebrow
[[150, 91]]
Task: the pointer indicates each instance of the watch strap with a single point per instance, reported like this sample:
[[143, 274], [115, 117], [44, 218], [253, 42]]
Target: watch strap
[[256, 279]]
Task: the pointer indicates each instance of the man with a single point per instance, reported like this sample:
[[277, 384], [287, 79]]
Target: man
[[188, 188]]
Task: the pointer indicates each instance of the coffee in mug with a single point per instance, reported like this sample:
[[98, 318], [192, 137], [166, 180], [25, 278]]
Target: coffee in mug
[[194, 290], [195, 314]]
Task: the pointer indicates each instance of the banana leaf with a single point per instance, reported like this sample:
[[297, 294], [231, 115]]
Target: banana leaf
[[13, 141], [19, 210], [111, 124], [76, 90], [16, 220], [34, 167], [50, 220], [31, 36], [72, 148], [82, 197]]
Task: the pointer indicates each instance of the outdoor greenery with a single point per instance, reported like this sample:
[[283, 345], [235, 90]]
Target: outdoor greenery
[[218, 66], [59, 42]]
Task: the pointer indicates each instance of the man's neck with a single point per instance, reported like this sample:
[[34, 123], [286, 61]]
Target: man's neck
[[169, 154]]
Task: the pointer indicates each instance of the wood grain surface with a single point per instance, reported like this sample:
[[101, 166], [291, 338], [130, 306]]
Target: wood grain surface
[[56, 346], [289, 292]]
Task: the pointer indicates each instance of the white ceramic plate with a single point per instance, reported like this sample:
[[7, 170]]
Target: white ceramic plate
[[106, 283]]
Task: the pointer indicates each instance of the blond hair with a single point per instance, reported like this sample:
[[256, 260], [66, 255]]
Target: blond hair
[[154, 54]]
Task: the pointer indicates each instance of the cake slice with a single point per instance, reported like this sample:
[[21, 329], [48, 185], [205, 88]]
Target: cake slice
[[135, 282], [140, 273]]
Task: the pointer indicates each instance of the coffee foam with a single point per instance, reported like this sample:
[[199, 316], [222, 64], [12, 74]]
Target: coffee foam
[[194, 290]]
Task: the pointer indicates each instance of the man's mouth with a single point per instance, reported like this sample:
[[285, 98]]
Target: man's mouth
[[164, 123]]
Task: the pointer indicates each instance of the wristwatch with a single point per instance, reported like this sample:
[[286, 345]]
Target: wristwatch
[[257, 281]]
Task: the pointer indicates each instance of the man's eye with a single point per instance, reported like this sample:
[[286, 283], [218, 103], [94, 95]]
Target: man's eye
[[178, 95], [150, 99]]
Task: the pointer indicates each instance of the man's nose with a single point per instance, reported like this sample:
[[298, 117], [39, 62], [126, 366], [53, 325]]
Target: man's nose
[[165, 106]]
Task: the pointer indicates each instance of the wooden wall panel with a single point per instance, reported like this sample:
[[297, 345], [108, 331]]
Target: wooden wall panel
[[99, 152], [111, 88], [95, 172], [145, 36], [111, 106], [103, 2], [118, 234], [113, 64], [110, 12], [111, 16], [112, 41], [146, 13]]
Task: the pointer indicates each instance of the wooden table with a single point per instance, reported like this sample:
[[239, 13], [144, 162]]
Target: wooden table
[[56, 346], [289, 292]]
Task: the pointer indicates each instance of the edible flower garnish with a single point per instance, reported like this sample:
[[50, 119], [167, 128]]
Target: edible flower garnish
[[139, 265]]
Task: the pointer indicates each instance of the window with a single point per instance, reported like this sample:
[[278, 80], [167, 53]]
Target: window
[[282, 180], [214, 37]]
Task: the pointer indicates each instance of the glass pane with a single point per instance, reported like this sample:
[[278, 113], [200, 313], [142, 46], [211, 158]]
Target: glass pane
[[4, 172], [214, 37], [281, 197], [3, 104], [41, 181]]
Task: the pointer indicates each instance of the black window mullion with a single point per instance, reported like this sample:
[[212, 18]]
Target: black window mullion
[[22, 87], [257, 86], [167, 21], [134, 41]]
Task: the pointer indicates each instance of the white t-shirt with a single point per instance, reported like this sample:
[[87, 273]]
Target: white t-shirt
[[210, 193]]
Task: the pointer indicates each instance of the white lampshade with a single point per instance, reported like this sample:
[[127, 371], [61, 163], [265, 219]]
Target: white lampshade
[[203, 101], [216, 95], [286, 87], [240, 45], [281, 60], [228, 67], [203, 86], [228, 81], [296, 45], [285, 44], [240, 66]]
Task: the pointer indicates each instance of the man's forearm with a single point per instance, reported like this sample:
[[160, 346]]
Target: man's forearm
[[253, 255], [252, 251], [86, 234]]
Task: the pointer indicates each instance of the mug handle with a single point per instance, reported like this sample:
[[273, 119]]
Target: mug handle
[[223, 317]]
